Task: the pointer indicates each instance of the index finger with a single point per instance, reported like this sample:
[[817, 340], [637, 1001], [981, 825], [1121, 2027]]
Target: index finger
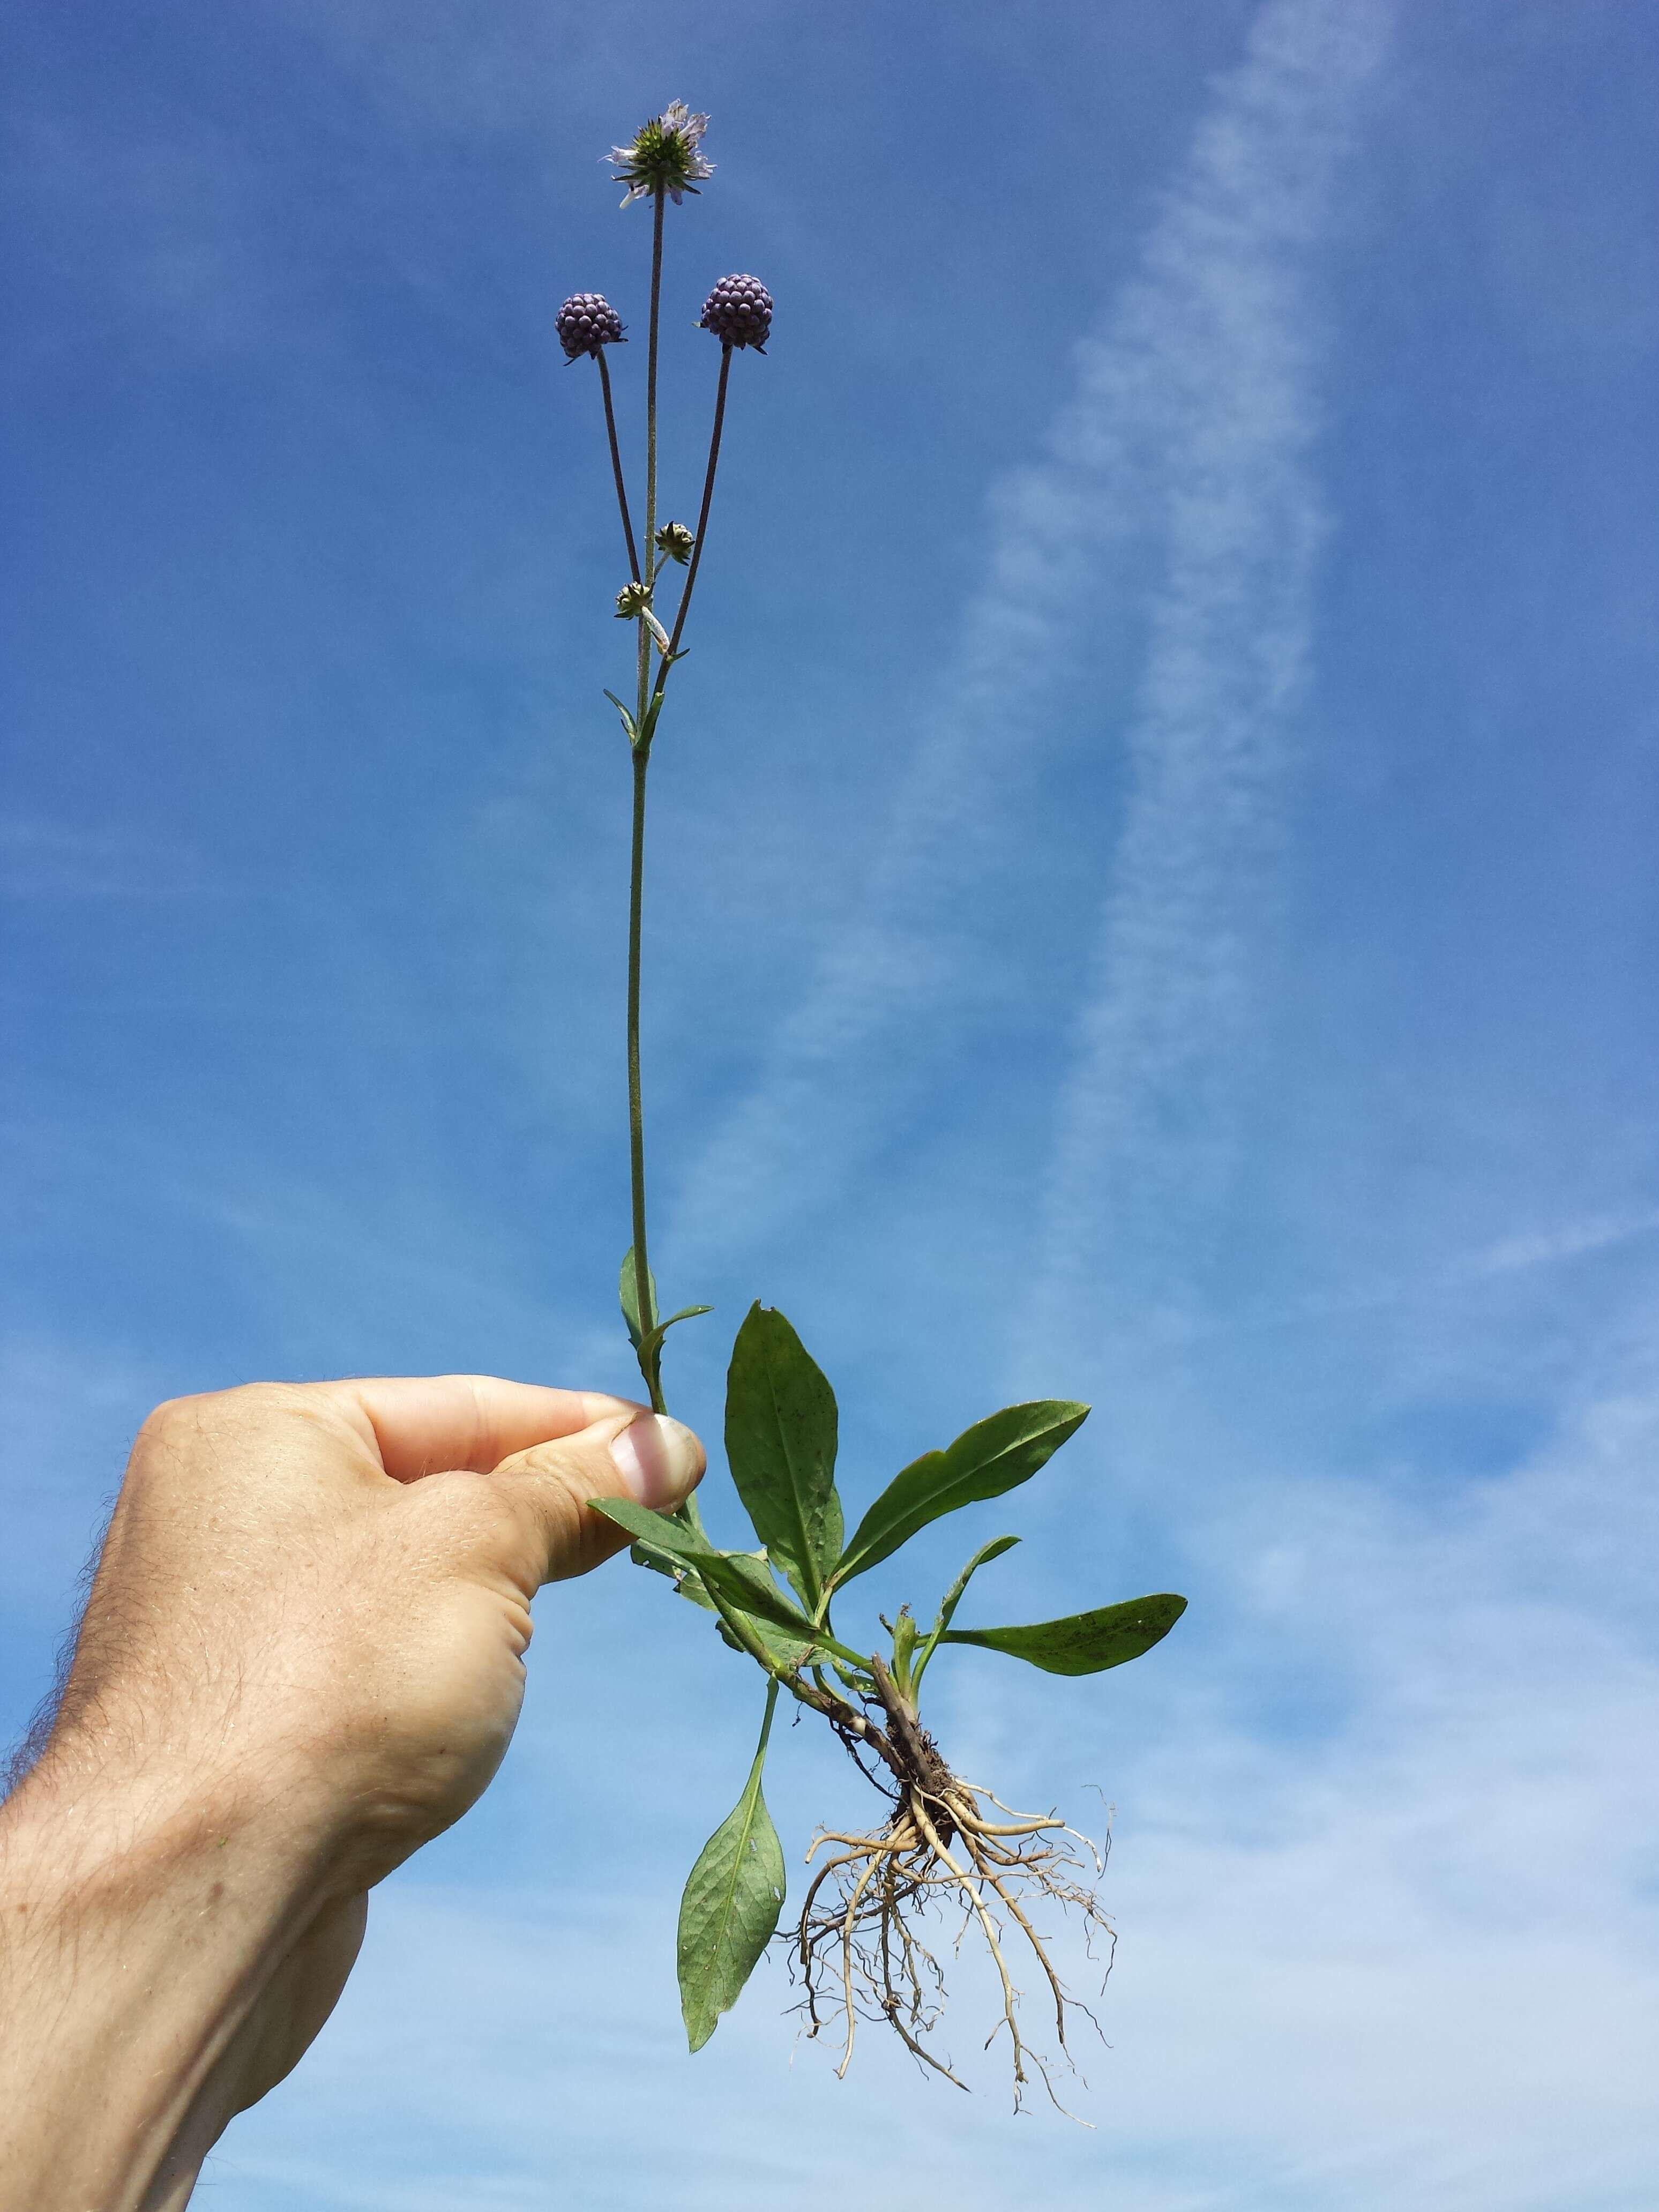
[[430, 1424]]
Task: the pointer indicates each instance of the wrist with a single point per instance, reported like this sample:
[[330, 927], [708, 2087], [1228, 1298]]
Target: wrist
[[140, 1922]]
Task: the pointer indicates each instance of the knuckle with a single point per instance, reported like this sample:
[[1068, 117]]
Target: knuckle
[[168, 1424], [180, 1429]]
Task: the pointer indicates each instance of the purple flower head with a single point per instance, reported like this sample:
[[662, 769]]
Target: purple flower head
[[585, 322], [738, 311], [664, 156]]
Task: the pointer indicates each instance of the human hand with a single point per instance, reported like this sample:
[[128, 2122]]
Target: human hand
[[303, 1657]]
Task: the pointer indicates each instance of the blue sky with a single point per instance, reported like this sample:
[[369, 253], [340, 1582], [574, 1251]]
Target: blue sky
[[1152, 900]]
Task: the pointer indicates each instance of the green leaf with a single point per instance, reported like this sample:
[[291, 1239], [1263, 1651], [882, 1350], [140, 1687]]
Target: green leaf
[[686, 1313], [997, 1454], [788, 1650], [953, 1598], [744, 1584], [684, 1578], [738, 1576], [1083, 1643], [660, 1563], [658, 1532], [648, 727], [627, 719], [628, 1289], [780, 1442], [662, 1541], [732, 1898]]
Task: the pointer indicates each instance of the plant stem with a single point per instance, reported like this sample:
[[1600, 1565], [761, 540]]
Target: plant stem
[[766, 1725], [649, 1368], [616, 466], [648, 574], [703, 515], [659, 205], [635, 1105]]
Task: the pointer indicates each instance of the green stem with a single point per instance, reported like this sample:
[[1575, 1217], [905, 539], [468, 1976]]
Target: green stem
[[766, 1725], [635, 1101], [658, 206], [649, 1368], [659, 203]]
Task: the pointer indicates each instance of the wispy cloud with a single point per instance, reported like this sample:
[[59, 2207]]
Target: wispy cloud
[[1524, 1253], [41, 859], [1212, 371], [1182, 457], [161, 229]]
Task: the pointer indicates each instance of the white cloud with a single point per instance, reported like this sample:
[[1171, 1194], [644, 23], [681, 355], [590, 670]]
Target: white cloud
[[41, 859], [1418, 1959], [1212, 367], [162, 226], [1181, 459], [1405, 1955]]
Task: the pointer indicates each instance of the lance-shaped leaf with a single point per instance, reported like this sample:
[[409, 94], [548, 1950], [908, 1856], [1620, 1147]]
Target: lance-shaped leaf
[[1083, 1643], [780, 1442], [997, 1454], [649, 1345], [952, 1599], [732, 1902], [628, 729], [628, 1291], [785, 1646], [738, 1577]]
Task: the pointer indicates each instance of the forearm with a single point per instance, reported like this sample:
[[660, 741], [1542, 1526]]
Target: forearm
[[142, 1921]]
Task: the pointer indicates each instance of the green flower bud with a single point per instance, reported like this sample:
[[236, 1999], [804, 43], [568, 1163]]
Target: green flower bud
[[674, 542], [632, 601]]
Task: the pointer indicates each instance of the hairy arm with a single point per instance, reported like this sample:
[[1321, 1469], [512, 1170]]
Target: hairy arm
[[303, 1657]]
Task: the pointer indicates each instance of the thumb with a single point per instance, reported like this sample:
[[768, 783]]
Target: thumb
[[649, 1458]]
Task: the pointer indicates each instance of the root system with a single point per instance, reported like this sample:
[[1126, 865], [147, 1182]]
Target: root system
[[951, 1855]]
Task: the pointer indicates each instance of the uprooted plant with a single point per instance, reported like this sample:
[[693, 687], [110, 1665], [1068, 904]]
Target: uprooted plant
[[946, 1850]]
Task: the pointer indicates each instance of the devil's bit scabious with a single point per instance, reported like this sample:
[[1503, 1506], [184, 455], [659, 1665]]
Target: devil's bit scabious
[[664, 156], [944, 1850], [738, 311], [585, 322]]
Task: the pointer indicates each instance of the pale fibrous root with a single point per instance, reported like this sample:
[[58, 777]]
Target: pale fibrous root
[[943, 1854]]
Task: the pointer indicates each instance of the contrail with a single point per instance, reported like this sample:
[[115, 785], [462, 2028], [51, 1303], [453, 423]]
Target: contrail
[[1190, 414], [1212, 367]]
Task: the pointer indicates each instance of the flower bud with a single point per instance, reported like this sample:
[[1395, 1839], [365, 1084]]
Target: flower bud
[[585, 322], [632, 601], [674, 542], [738, 311]]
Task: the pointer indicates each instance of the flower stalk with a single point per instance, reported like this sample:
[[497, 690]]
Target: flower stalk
[[616, 467], [702, 517]]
